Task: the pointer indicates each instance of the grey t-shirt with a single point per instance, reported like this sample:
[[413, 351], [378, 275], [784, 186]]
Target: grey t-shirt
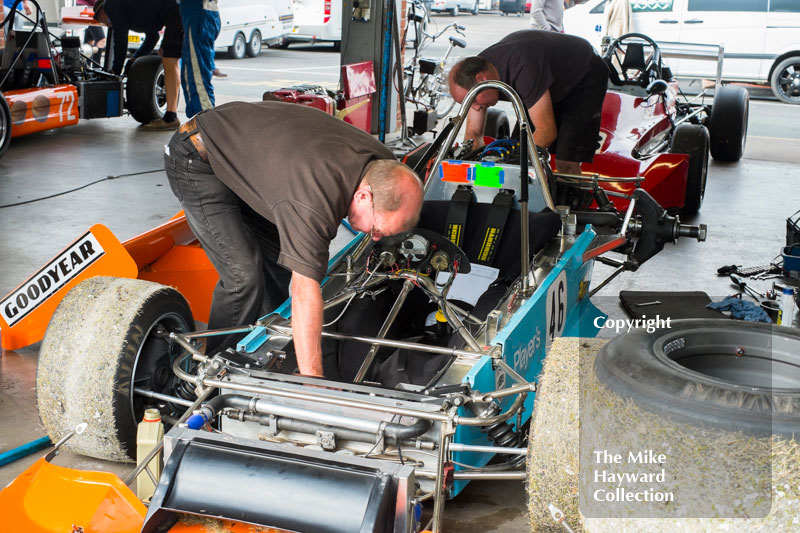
[[533, 61], [296, 166]]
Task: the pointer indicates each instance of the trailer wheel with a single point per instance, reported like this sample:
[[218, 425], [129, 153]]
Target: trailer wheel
[[5, 125], [693, 139], [239, 47], [728, 126], [497, 125], [145, 95], [254, 46], [107, 336]]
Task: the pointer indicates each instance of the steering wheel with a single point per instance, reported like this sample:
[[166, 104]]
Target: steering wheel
[[628, 62]]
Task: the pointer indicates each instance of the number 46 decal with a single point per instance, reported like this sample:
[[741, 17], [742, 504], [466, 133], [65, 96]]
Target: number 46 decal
[[557, 307]]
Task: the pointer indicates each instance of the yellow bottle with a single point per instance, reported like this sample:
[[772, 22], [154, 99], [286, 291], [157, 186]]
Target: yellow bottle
[[148, 435]]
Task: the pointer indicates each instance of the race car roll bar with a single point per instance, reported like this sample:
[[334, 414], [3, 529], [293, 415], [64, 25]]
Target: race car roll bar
[[519, 111], [527, 145]]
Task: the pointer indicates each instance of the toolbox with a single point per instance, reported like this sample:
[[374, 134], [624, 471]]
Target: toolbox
[[791, 259]]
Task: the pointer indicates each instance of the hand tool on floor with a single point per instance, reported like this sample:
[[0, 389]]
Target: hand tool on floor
[[742, 285]]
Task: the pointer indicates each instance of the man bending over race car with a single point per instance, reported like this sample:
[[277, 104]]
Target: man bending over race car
[[148, 17], [266, 211], [561, 81]]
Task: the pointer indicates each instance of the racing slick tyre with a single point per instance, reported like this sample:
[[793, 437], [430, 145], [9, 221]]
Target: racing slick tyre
[[145, 95], [254, 45], [693, 139], [785, 80], [454, 12], [239, 47], [728, 124], [5, 125], [719, 398], [107, 336], [497, 125]]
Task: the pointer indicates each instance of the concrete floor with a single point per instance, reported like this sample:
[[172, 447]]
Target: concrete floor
[[745, 208]]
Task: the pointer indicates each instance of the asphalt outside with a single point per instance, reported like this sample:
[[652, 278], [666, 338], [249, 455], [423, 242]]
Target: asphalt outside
[[746, 206]]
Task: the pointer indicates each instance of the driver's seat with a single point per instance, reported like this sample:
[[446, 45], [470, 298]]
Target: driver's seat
[[634, 60]]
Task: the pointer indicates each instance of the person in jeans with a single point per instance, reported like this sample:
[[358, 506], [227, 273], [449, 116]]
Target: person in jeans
[[266, 215], [18, 20]]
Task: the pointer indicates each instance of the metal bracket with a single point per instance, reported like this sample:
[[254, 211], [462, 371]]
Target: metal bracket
[[326, 439]]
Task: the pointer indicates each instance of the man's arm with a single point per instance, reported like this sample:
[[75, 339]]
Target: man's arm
[[538, 20], [543, 119], [307, 324], [150, 41], [476, 121]]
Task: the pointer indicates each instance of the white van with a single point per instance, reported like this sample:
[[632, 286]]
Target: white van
[[761, 37], [246, 23], [317, 21]]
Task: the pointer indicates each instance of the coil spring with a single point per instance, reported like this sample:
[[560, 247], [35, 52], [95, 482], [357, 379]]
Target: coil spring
[[184, 390], [503, 434]]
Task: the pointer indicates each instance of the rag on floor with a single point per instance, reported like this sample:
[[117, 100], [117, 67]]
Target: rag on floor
[[741, 309]]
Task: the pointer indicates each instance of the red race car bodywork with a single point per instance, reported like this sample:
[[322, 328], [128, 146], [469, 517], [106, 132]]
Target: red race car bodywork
[[634, 125]]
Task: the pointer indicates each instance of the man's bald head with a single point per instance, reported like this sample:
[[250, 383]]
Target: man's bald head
[[395, 196]]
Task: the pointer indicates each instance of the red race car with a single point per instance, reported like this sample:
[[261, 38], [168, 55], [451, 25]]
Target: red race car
[[651, 135]]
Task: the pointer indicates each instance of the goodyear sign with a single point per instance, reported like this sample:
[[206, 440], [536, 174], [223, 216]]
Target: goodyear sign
[[50, 278]]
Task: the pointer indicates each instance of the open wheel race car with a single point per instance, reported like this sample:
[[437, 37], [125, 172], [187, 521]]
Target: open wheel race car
[[432, 347], [48, 83], [651, 134]]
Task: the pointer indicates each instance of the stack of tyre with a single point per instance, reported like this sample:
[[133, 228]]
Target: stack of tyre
[[709, 410]]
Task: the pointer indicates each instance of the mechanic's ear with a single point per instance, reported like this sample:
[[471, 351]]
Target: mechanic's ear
[[657, 87]]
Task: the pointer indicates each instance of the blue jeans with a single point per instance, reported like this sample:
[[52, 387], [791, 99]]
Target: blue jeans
[[201, 25], [242, 246]]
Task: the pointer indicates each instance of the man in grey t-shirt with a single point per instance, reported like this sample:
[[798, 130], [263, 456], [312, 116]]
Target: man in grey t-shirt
[[264, 187], [547, 15], [561, 80]]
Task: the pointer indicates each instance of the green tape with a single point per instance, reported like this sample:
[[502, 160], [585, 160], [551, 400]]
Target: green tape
[[486, 176]]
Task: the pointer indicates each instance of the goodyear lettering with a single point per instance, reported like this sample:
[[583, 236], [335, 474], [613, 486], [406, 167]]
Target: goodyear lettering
[[50, 278], [524, 355]]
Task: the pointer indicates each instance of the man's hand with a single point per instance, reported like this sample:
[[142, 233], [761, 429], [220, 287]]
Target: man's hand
[[27, 7], [307, 324], [476, 121]]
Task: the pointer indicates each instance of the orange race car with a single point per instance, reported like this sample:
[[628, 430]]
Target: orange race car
[[48, 82]]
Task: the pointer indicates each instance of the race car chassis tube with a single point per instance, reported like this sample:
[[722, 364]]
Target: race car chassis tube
[[250, 404]]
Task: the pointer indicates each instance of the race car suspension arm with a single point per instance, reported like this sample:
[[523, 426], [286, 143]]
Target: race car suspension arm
[[366, 365]]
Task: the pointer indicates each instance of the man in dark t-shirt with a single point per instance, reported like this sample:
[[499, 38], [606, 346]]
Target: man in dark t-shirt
[[561, 81], [264, 187]]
